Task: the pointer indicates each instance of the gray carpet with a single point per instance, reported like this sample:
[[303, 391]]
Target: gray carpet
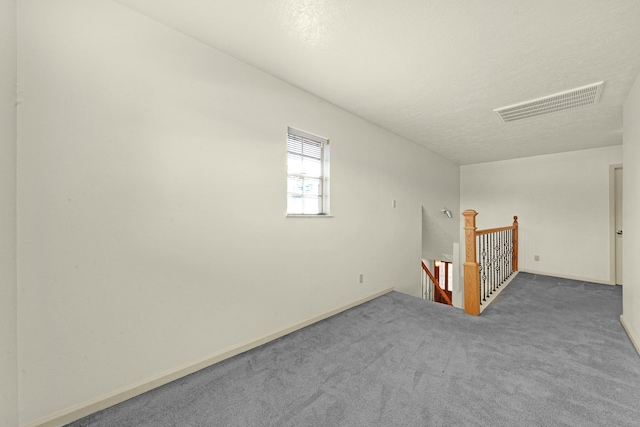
[[547, 352]]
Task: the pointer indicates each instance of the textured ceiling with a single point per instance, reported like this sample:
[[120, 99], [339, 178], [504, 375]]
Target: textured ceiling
[[433, 71]]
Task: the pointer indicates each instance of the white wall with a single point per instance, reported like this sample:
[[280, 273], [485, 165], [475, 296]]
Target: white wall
[[437, 232], [562, 204], [8, 307], [631, 207], [151, 180]]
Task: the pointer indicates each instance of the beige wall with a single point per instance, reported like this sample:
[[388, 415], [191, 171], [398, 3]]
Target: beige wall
[[631, 207], [151, 190], [563, 205], [8, 314]]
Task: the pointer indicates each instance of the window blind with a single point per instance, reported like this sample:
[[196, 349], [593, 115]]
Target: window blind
[[307, 166]]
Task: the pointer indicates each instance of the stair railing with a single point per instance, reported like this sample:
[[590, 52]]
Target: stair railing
[[491, 260], [432, 291]]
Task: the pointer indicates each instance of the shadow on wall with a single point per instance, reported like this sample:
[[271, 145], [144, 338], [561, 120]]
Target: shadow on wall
[[438, 235]]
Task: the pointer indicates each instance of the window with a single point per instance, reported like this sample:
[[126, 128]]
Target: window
[[307, 174]]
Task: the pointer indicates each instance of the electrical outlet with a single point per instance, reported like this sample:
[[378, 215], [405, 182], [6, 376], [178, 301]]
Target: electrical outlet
[[361, 278], [536, 257]]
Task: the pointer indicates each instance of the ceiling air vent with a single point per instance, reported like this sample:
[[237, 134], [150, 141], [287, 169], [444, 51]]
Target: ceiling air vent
[[574, 98]]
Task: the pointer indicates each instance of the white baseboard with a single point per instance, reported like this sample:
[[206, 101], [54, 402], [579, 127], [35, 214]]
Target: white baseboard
[[634, 339], [563, 276], [87, 408]]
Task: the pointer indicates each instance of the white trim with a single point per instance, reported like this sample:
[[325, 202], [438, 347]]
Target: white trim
[[563, 276], [308, 216], [634, 339], [87, 408]]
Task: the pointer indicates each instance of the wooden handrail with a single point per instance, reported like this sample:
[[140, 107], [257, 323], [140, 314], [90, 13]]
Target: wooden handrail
[[436, 285], [471, 266], [494, 230]]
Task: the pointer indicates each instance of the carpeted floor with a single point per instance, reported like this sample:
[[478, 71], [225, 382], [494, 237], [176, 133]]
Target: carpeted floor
[[547, 352]]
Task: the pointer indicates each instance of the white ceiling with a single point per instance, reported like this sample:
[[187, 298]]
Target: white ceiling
[[433, 71]]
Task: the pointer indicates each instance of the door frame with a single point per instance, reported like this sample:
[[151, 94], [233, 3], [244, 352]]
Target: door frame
[[612, 222]]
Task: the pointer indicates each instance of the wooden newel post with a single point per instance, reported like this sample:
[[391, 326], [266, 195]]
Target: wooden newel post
[[514, 260], [471, 266]]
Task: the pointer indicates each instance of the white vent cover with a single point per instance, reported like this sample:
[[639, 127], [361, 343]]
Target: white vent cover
[[574, 98]]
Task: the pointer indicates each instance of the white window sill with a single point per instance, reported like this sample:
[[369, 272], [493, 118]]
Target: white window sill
[[307, 216]]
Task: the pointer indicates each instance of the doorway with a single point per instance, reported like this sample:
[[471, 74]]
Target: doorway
[[443, 272], [618, 228]]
